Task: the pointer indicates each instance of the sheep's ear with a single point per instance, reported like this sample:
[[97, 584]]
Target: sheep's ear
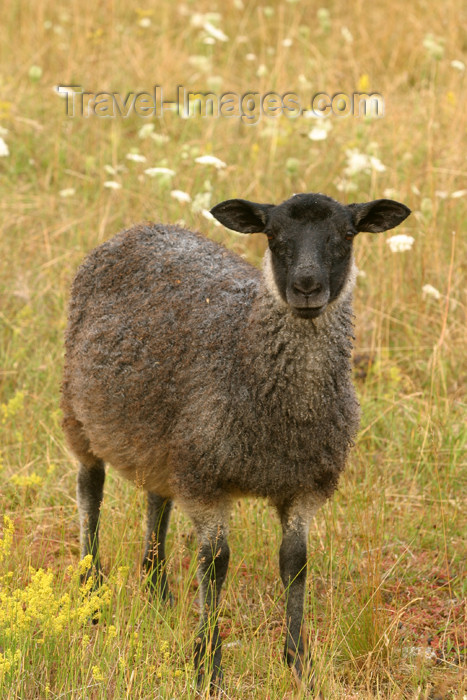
[[380, 215], [241, 215]]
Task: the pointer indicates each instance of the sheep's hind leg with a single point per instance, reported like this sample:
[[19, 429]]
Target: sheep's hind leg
[[158, 516], [295, 518], [213, 561], [90, 492]]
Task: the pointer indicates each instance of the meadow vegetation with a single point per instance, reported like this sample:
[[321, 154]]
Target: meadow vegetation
[[387, 555]]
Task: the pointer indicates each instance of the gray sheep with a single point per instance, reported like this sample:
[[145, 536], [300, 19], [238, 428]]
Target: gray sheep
[[201, 380]]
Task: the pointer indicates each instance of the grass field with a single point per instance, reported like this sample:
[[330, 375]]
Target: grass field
[[388, 554]]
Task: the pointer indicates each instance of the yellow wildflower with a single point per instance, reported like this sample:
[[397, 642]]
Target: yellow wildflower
[[363, 84], [39, 609], [12, 407], [6, 541], [85, 564], [98, 674], [8, 661], [26, 481]]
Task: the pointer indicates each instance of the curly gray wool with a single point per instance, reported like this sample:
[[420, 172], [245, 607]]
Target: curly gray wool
[[184, 372]]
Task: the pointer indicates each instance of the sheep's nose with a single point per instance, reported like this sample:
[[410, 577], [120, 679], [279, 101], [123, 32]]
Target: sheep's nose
[[307, 286]]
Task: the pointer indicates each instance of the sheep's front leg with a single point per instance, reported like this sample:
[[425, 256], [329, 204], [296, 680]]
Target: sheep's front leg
[[213, 562], [90, 492], [158, 516], [295, 518]]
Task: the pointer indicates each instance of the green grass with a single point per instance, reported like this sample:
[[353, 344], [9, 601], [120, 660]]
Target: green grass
[[387, 555]]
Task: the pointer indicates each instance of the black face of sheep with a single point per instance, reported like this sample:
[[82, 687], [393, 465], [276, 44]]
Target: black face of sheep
[[202, 381], [310, 238]]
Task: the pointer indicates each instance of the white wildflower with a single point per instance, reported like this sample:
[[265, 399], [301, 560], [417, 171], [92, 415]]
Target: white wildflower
[[207, 215], [361, 162], [144, 22], [200, 63], [199, 19], [146, 130], [390, 193], [136, 157], [434, 46], [458, 65], [304, 82], [287, 43], [262, 71], [324, 18], [356, 162], [201, 201], [458, 194], [429, 291], [211, 160], [164, 172], [4, 150], [113, 170], [250, 57], [67, 192], [377, 165], [160, 138], [214, 32], [318, 134], [343, 185], [347, 35], [35, 73], [441, 194], [112, 185], [180, 196], [400, 242]]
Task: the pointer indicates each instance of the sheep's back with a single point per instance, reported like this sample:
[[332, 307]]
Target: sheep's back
[[154, 312]]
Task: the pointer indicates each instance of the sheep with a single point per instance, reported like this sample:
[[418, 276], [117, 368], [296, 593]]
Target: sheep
[[202, 379]]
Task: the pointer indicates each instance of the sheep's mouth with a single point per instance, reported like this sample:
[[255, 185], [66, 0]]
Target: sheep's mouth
[[308, 312]]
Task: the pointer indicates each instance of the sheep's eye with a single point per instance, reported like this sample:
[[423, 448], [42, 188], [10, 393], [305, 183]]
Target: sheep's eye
[[349, 236]]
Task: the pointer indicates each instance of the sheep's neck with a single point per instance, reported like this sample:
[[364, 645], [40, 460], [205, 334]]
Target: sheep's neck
[[287, 355]]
